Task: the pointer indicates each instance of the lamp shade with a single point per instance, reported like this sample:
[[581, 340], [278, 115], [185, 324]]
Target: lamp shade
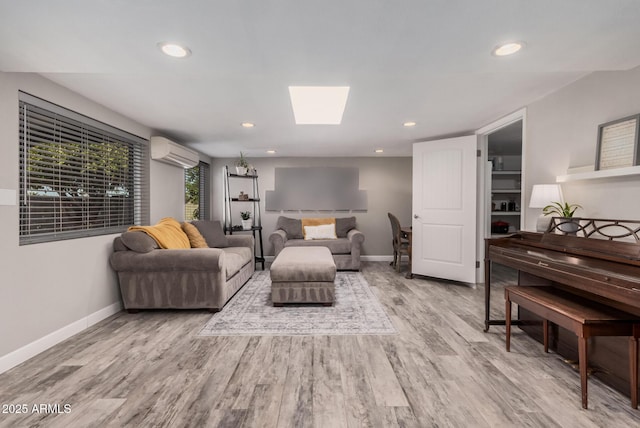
[[544, 194]]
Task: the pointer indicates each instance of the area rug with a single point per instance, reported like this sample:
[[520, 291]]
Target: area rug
[[356, 311]]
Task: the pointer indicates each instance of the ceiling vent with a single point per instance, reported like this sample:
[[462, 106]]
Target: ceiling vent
[[167, 151]]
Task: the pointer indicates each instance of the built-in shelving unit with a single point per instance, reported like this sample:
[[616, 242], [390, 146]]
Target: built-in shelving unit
[[505, 198], [594, 175], [504, 180], [254, 201]]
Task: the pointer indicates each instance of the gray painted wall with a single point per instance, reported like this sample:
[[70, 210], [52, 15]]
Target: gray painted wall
[[45, 287], [562, 132], [386, 180]]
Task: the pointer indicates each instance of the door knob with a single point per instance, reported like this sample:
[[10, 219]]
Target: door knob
[[416, 216]]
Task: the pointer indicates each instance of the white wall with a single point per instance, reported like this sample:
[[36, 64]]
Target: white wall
[[562, 132], [50, 286], [167, 191], [387, 180]]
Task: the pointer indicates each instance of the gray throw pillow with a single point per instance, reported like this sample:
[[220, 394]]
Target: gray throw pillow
[[291, 226], [138, 241], [344, 225], [212, 232]]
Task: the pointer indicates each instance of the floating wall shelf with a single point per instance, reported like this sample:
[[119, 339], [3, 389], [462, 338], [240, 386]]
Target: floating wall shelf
[[593, 175]]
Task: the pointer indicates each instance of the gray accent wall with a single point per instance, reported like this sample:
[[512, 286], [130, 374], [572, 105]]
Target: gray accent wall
[[386, 180], [562, 132]]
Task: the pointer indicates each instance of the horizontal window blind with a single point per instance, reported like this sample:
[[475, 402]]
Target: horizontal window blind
[[78, 177], [205, 178]]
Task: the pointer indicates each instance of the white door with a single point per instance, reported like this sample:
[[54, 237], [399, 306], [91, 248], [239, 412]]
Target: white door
[[444, 209]]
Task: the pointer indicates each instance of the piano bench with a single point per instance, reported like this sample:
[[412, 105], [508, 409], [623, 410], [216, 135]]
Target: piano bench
[[583, 317]]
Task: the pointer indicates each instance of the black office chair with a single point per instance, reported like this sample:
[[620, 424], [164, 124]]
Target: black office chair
[[400, 244]]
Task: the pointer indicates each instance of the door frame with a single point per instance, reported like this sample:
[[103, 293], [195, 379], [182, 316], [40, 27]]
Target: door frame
[[484, 185]]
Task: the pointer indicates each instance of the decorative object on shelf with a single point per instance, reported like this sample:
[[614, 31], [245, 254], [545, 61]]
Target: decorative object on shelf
[[242, 166], [243, 196], [499, 227], [499, 163], [618, 143], [246, 220], [541, 196], [565, 211]]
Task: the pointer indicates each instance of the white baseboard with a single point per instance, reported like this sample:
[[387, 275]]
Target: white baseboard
[[362, 258], [34, 348]]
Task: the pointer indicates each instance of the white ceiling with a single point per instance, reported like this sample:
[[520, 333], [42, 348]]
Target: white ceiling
[[426, 61]]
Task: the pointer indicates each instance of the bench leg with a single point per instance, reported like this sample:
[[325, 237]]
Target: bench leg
[[507, 311], [545, 335], [633, 370], [582, 361]]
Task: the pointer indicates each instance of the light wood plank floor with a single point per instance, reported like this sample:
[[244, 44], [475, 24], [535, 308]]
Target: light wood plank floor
[[150, 369]]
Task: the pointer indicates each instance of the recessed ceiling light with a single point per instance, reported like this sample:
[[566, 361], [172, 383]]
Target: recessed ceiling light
[[174, 49], [508, 48], [247, 125], [271, 151], [318, 105], [379, 151], [409, 124]]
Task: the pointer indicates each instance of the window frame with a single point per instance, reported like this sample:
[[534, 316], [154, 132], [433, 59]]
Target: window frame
[[204, 179], [78, 177]]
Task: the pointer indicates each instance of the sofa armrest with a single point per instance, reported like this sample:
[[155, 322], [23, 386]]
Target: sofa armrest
[[194, 259], [278, 238], [355, 236], [240, 241]]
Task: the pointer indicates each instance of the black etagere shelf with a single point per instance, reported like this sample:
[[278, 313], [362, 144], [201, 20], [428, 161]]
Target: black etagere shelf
[[254, 201]]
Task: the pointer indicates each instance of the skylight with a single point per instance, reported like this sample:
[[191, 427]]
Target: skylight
[[318, 105]]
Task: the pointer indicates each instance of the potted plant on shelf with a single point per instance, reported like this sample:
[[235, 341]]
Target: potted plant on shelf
[[242, 166], [246, 220], [566, 211]]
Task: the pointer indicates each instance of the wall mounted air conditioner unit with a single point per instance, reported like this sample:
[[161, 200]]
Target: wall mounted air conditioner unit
[[167, 151]]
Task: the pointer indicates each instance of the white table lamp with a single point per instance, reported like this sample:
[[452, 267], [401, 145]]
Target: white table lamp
[[541, 196]]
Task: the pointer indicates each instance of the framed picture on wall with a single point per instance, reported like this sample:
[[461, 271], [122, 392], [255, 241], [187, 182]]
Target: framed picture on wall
[[618, 143]]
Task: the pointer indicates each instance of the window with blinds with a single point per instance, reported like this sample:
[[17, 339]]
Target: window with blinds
[[78, 177], [196, 192]]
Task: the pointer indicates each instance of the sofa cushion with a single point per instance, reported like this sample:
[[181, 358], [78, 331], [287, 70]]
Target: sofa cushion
[[291, 226], [212, 233], [167, 233], [195, 238], [138, 241], [344, 225], [336, 246], [235, 258], [324, 231], [316, 222]]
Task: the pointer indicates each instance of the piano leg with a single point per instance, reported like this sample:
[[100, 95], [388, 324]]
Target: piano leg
[[633, 365], [545, 335], [582, 361], [487, 293], [507, 311]]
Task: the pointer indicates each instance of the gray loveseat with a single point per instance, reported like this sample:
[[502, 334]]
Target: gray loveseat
[[345, 250], [195, 278]]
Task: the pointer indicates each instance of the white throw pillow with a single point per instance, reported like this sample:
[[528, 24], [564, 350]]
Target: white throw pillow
[[324, 231]]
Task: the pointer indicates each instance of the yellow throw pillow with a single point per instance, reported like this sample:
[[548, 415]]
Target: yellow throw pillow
[[316, 222], [195, 238]]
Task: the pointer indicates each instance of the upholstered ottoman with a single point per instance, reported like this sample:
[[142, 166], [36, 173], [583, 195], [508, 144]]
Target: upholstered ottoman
[[303, 275]]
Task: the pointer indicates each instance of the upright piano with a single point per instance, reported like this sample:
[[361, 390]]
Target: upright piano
[[597, 259]]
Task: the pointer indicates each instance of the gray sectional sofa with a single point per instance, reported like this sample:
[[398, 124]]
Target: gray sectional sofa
[[345, 250], [195, 278]]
